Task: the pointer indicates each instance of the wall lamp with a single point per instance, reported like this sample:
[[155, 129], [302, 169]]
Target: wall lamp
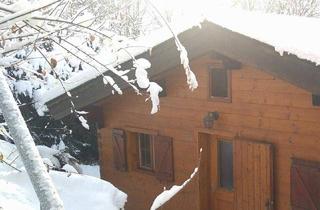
[[208, 120]]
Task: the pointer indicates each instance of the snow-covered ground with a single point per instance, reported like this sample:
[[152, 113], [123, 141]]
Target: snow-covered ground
[[80, 192], [91, 170]]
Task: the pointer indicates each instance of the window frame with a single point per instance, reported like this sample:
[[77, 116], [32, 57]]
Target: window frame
[[227, 99], [219, 165], [152, 158], [315, 99]]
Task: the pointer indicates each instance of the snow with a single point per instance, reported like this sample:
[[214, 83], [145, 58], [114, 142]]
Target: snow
[[110, 56], [48, 154], [109, 80], [69, 168], [99, 54], [91, 170], [191, 78], [83, 122], [295, 35], [29, 154], [166, 195], [141, 72], [16, 191], [24, 87], [292, 34], [154, 90], [61, 146], [94, 56], [143, 82]]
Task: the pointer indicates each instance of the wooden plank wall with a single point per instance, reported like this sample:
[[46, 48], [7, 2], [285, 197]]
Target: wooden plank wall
[[253, 175], [263, 108]]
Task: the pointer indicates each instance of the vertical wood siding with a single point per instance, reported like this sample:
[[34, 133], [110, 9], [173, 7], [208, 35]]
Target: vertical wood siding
[[253, 175]]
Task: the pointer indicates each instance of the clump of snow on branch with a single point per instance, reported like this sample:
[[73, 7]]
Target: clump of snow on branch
[[69, 168], [143, 82], [49, 154], [141, 72], [154, 90], [191, 78], [84, 122], [109, 80], [166, 195]]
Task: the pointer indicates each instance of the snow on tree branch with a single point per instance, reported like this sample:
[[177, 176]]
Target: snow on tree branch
[[143, 82], [24, 14], [166, 195], [50, 51], [191, 78], [67, 44], [42, 183]]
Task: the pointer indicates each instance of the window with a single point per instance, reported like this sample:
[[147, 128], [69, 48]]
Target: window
[[156, 155], [220, 84], [146, 159], [225, 158], [144, 151], [315, 100]]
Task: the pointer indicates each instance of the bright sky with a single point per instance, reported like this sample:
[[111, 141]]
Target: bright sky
[[188, 11], [190, 5]]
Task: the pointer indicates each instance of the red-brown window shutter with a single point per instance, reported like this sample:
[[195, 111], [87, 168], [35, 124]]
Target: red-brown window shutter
[[305, 185], [119, 149], [163, 156]]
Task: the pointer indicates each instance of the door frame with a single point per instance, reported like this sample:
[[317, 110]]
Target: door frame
[[208, 184]]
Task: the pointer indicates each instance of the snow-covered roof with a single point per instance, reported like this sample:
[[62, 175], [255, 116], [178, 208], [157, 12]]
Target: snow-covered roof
[[291, 34]]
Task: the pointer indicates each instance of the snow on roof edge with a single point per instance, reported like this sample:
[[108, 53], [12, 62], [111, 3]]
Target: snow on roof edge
[[291, 34]]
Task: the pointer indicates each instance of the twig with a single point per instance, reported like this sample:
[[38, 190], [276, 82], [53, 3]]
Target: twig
[[14, 159], [57, 76], [26, 12], [8, 164]]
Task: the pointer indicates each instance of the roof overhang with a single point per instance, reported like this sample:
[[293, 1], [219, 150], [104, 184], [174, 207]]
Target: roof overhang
[[200, 41]]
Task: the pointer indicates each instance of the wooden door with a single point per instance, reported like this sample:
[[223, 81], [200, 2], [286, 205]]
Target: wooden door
[[305, 185], [222, 174], [253, 178]]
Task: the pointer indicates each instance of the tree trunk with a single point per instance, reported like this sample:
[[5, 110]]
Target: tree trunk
[[40, 179]]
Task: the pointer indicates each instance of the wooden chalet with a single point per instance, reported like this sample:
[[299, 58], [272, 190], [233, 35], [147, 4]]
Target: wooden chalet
[[256, 114]]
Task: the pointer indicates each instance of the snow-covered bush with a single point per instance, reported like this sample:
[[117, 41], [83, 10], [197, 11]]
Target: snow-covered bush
[[59, 159], [17, 193]]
